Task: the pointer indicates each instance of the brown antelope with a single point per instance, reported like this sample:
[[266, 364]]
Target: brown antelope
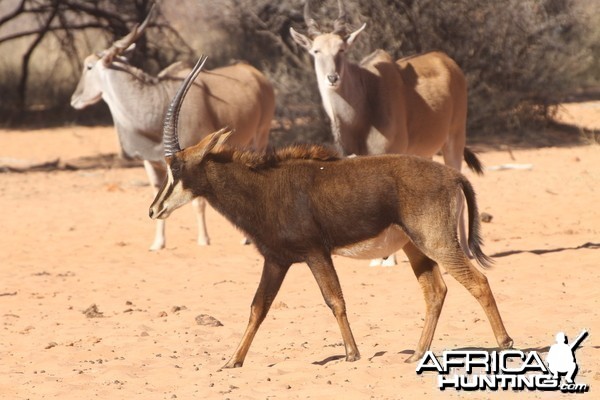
[[238, 96], [415, 105], [302, 204]]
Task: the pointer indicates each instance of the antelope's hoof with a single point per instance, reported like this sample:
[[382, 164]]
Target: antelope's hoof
[[415, 357], [353, 357], [507, 343], [204, 242], [233, 364]]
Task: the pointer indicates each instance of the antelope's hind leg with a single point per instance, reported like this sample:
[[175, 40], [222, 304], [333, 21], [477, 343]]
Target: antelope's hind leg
[[322, 268], [460, 267], [270, 282], [434, 290]]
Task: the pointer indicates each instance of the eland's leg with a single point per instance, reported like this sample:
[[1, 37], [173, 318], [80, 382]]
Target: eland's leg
[[322, 268], [199, 204], [376, 262], [270, 282], [156, 174], [390, 261], [434, 290], [384, 262]]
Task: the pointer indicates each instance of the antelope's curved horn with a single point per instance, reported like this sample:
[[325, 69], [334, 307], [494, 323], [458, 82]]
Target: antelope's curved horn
[[135, 33], [170, 128], [339, 26], [311, 24], [122, 44]]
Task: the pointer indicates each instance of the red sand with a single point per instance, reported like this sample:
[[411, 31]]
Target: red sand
[[72, 239]]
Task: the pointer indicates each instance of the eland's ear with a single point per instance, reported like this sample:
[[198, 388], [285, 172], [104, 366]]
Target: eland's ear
[[301, 39], [352, 37], [107, 57], [127, 52]]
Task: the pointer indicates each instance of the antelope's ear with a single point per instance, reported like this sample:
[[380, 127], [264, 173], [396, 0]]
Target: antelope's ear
[[224, 135], [301, 39], [206, 145], [352, 37]]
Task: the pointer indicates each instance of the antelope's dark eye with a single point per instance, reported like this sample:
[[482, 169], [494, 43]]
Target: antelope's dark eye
[[316, 51], [89, 66]]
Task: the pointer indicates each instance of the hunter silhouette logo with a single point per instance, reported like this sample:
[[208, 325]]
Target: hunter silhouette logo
[[561, 357], [508, 369]]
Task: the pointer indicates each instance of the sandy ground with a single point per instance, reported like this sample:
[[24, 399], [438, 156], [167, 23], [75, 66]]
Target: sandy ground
[[74, 239]]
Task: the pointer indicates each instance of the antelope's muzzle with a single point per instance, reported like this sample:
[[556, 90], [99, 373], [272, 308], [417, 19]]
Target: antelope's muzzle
[[158, 211], [159, 208]]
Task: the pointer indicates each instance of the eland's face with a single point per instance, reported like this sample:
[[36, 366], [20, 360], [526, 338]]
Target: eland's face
[[328, 51], [89, 88]]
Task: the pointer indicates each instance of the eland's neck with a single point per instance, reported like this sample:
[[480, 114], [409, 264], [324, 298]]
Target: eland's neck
[[135, 104], [347, 107]]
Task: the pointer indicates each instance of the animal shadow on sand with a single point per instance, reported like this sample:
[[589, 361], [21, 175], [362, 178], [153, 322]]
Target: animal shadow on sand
[[329, 359], [489, 350], [588, 245]]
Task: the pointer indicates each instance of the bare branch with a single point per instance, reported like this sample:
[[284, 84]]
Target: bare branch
[[30, 32], [17, 11], [277, 40], [27, 56]]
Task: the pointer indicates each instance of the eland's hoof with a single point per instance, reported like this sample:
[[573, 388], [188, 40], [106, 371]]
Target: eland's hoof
[[376, 262], [156, 246], [389, 262], [203, 242]]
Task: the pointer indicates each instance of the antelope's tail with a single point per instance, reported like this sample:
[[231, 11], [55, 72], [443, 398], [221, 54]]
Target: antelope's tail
[[475, 241]]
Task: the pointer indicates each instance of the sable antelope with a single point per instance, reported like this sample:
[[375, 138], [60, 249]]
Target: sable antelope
[[302, 204], [238, 96], [415, 105]]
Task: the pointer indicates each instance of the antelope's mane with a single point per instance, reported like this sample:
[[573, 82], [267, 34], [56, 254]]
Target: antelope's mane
[[272, 158]]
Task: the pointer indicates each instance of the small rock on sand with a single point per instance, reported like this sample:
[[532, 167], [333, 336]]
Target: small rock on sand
[[93, 312], [207, 320]]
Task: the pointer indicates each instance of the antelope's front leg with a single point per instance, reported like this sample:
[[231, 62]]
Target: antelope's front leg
[[270, 282], [322, 268], [434, 290]]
